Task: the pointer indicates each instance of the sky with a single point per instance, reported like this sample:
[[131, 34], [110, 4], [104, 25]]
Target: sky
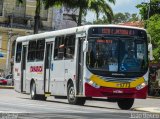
[[120, 6]]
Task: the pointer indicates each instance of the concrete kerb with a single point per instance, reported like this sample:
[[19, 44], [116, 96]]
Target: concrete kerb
[[155, 110], [155, 97], [6, 87]]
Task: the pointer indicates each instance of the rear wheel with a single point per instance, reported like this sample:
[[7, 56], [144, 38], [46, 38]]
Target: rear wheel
[[125, 104], [72, 99], [35, 96], [33, 91]]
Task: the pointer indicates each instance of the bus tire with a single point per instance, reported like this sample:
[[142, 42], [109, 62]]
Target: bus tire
[[34, 96], [41, 97], [125, 104], [71, 96]]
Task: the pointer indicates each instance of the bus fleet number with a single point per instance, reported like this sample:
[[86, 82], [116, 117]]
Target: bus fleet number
[[124, 85]]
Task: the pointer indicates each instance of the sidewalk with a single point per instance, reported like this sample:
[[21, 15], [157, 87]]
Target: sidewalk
[[148, 109], [6, 87]]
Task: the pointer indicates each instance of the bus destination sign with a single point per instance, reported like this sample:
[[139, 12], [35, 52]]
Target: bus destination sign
[[118, 31], [115, 31]]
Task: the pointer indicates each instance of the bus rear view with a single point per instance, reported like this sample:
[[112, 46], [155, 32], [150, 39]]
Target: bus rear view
[[117, 64]]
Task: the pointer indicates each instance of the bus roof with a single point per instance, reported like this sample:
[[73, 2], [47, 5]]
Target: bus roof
[[79, 29]]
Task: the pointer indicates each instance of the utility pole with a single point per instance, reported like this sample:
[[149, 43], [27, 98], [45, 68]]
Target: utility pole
[[8, 51], [149, 8]]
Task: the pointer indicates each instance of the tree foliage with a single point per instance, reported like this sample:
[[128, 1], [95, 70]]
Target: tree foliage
[[118, 18], [149, 9], [97, 6], [153, 28]]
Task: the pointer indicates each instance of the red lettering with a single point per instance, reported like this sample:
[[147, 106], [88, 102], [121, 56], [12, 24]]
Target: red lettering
[[106, 31], [36, 69]]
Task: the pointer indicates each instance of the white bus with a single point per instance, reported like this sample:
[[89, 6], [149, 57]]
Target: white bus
[[87, 61]]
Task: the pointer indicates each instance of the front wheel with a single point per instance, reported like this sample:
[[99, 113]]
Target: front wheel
[[125, 104], [72, 99]]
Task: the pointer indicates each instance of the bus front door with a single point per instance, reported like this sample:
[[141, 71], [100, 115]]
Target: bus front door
[[23, 68], [80, 64], [47, 74]]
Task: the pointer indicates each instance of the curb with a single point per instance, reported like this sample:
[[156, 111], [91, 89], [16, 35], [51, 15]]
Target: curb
[[6, 87], [155, 97], [155, 110]]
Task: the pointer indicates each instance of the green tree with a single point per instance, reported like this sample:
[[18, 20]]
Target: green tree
[[133, 17], [149, 9], [153, 28], [47, 4], [124, 17], [97, 6], [103, 20], [118, 18]]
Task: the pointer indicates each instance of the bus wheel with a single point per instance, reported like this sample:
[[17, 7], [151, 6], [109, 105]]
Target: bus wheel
[[33, 91], [125, 104], [72, 99], [35, 96]]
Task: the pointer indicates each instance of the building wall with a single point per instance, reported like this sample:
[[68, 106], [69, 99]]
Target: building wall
[[8, 37], [19, 21]]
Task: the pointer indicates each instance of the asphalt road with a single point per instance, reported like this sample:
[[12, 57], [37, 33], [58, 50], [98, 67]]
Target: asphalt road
[[16, 105]]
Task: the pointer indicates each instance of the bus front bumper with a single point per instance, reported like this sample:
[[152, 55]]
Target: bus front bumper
[[91, 91]]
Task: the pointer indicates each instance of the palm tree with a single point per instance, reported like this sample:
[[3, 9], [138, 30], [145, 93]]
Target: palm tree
[[97, 6], [37, 14], [101, 6], [47, 4]]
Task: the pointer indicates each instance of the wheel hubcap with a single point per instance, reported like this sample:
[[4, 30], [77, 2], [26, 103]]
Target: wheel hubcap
[[71, 93]]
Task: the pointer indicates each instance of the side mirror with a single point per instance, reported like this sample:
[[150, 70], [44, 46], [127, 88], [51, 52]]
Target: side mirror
[[150, 52], [85, 46]]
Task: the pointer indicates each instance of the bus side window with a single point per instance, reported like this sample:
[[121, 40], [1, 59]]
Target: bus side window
[[59, 48], [18, 52], [32, 51], [69, 46], [40, 49]]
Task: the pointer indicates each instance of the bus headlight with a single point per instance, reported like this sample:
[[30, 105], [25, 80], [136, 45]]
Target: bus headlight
[[142, 85], [90, 82]]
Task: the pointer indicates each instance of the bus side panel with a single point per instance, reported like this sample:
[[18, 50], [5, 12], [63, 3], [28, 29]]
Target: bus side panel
[[35, 71], [70, 72], [17, 76], [57, 78]]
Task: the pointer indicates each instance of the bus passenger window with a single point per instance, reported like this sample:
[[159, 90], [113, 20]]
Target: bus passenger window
[[59, 48], [40, 49], [32, 51], [18, 52], [60, 51], [69, 46]]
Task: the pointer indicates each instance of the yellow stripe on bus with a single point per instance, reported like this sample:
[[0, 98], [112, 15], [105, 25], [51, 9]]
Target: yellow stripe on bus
[[99, 81]]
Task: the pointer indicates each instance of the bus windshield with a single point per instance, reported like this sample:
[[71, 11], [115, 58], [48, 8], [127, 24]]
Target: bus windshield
[[117, 54]]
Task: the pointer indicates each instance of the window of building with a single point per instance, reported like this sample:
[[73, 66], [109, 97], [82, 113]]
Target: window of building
[[40, 50], [18, 52], [32, 51], [1, 7], [19, 4], [44, 13]]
